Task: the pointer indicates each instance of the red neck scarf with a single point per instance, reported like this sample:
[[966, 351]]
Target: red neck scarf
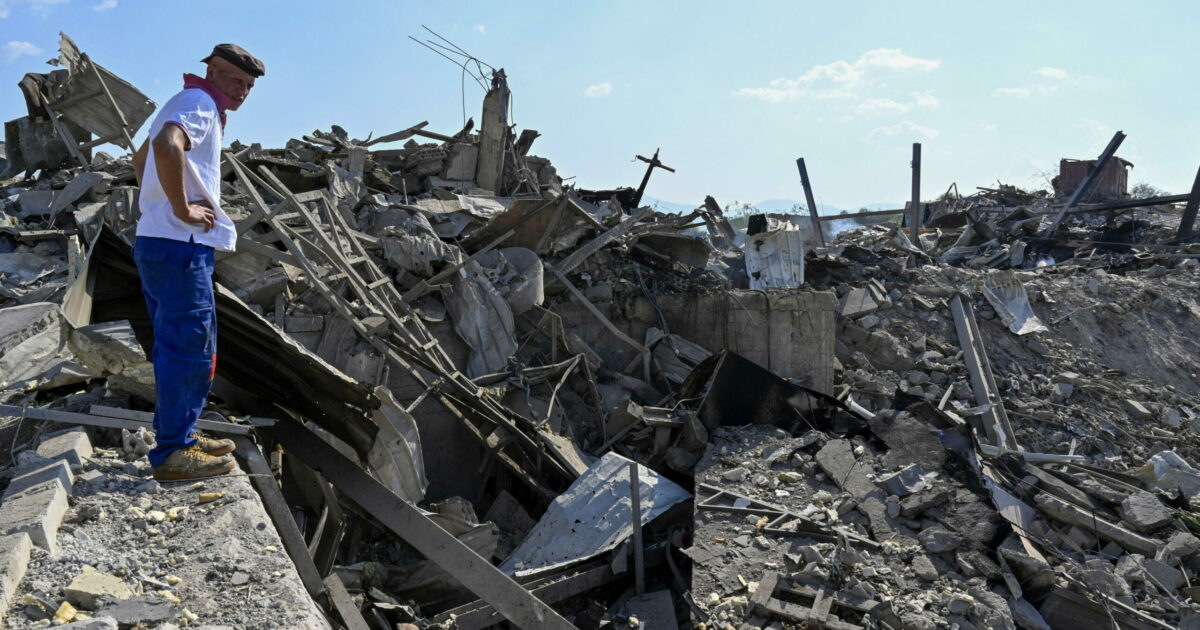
[[192, 81]]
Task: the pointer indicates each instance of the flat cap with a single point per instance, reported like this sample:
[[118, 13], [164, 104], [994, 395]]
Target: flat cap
[[239, 57]]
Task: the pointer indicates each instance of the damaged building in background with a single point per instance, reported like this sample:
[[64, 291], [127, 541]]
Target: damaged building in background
[[469, 394]]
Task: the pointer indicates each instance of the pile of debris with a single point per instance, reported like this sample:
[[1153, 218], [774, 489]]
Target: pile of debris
[[482, 395]]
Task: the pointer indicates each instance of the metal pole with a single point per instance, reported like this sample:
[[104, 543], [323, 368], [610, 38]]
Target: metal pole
[[914, 215], [639, 566], [1189, 211], [808, 199]]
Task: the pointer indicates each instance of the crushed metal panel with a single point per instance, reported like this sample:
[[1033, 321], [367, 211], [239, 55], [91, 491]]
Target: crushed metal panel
[[396, 458], [592, 516], [1007, 295], [483, 319], [83, 98], [775, 260]]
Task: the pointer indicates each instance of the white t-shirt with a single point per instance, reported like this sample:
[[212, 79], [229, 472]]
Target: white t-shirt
[[196, 113]]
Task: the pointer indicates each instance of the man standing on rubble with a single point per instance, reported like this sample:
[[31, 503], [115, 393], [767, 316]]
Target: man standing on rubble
[[180, 228]]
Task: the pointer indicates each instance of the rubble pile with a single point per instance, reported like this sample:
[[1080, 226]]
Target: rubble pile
[[482, 395]]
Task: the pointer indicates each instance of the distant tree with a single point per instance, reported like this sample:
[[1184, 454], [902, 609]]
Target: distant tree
[[1143, 190]]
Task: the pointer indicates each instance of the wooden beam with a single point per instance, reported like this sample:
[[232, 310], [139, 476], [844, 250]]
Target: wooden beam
[[338, 596]]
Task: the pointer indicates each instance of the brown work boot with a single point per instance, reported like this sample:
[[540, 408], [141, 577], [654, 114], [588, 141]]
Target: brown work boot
[[213, 446], [192, 463]]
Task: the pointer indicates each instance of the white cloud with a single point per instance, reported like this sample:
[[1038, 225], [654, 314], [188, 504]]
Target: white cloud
[[882, 106], [839, 79], [1051, 73], [12, 50], [41, 7], [478, 28], [598, 90], [896, 60], [1097, 132], [988, 127], [877, 106], [1018, 92], [906, 128], [925, 99]]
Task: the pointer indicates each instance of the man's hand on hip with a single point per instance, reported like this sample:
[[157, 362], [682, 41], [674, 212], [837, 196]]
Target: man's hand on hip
[[199, 212]]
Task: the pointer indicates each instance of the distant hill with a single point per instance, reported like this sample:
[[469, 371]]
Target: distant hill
[[766, 206]]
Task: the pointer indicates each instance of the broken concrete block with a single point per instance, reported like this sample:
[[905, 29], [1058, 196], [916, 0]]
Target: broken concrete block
[[88, 587], [923, 568], [24, 321], [38, 511], [1179, 546], [735, 474], [56, 469], [14, 558], [1167, 577], [71, 445], [857, 302], [909, 440], [1138, 410], [869, 321], [938, 539], [916, 504], [34, 202], [1144, 511], [1061, 391], [837, 460], [906, 481]]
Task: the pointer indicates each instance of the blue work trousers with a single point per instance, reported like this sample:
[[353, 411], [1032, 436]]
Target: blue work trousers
[[177, 285]]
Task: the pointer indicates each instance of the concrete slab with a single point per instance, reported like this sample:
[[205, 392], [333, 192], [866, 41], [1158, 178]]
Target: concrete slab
[[56, 469], [14, 558], [38, 511], [71, 445]]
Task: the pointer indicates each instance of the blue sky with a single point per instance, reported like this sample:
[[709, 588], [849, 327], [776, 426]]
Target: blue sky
[[732, 92]]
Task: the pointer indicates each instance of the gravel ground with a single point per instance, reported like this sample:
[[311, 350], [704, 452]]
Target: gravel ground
[[217, 563]]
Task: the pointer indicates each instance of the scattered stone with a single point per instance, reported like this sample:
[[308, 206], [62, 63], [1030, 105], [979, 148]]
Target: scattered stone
[[1138, 410], [209, 497], [66, 612], [1144, 511], [1166, 577], [906, 481], [857, 302], [88, 587], [736, 475], [938, 539], [836, 458], [924, 568], [149, 608]]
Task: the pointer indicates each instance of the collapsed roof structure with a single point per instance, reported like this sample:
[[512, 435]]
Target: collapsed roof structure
[[469, 394]]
